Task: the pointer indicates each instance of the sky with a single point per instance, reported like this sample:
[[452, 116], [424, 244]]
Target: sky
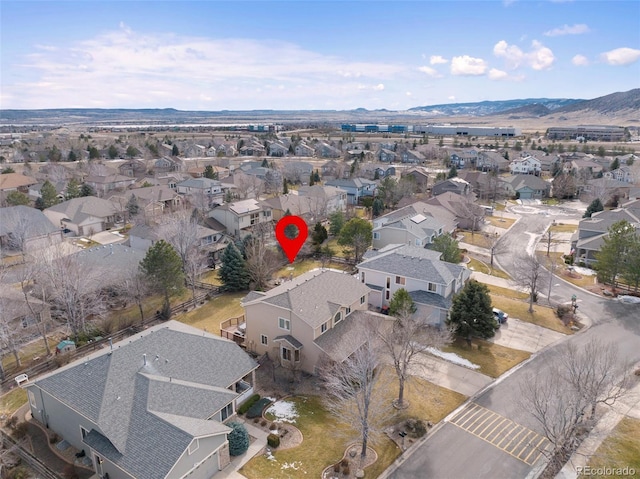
[[318, 55]]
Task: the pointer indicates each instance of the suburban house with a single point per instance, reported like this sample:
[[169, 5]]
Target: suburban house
[[317, 314], [412, 156], [324, 200], [15, 182], [624, 173], [420, 176], [241, 216], [525, 187], [608, 190], [166, 164], [462, 158], [454, 185], [277, 148], [302, 149], [24, 229], [325, 150], [467, 213], [21, 321], [484, 185], [528, 165], [133, 168], [430, 281], [84, 216], [104, 184], [356, 188], [591, 233], [209, 188], [152, 406], [491, 161], [297, 171]]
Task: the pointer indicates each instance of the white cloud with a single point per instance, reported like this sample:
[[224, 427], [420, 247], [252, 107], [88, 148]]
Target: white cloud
[[539, 58], [409, 93], [580, 61], [437, 59], [511, 53], [432, 72], [451, 97], [621, 56], [125, 68], [577, 29], [495, 74], [468, 66]]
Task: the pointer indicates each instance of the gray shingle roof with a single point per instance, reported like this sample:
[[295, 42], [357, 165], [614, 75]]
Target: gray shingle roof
[[148, 414], [314, 296], [348, 335], [413, 262], [291, 340], [34, 222], [431, 299], [78, 209]]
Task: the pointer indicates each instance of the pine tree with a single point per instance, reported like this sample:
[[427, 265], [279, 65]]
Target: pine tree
[[132, 206], [72, 190], [594, 207], [233, 272], [87, 190], [175, 151], [162, 267], [238, 439], [48, 194], [612, 256], [448, 246], [453, 172], [471, 313], [285, 187], [209, 173]]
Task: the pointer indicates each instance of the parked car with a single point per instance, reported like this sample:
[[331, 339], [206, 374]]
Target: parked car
[[500, 316]]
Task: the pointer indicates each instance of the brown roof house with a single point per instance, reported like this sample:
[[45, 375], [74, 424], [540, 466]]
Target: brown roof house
[[14, 182], [317, 315], [84, 216]]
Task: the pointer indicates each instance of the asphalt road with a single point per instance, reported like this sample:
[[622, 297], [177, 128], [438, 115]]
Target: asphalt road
[[464, 447]]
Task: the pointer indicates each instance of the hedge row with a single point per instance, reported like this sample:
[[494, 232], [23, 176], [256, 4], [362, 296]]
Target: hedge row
[[250, 402], [258, 407]]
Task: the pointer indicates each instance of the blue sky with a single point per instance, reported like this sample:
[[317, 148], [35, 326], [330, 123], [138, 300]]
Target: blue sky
[[241, 55]]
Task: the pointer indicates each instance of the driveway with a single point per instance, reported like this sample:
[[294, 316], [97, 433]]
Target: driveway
[[448, 375], [525, 336]]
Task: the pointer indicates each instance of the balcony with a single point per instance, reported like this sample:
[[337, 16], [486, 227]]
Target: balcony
[[234, 329]]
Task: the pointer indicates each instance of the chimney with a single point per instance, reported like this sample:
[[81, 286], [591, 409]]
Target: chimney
[[144, 359]]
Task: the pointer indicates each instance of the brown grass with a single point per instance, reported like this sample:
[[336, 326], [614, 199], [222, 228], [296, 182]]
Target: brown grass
[[213, 312], [11, 402], [506, 292], [477, 239], [494, 360], [542, 316], [482, 267], [621, 449], [499, 222], [562, 228]]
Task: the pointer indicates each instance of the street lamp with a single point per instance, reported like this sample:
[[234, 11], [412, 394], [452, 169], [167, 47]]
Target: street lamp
[[574, 300]]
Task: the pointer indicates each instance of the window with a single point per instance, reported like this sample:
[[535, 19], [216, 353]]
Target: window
[[337, 318], [296, 355], [431, 287], [324, 327], [418, 242], [226, 412], [285, 353], [83, 432], [254, 218], [386, 294], [376, 235], [32, 399], [362, 276], [347, 311], [388, 283], [400, 280], [193, 447], [264, 340], [362, 300], [284, 324]]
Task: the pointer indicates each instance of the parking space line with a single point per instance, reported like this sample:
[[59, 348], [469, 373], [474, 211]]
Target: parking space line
[[488, 425], [523, 439], [534, 449]]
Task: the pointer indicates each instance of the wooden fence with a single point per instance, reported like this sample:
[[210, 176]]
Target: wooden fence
[[43, 471], [228, 333]]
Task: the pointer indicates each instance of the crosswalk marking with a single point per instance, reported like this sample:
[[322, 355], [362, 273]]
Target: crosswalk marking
[[508, 436]]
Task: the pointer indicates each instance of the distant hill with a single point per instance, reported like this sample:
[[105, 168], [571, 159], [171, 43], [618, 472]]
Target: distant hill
[[608, 104], [484, 108]]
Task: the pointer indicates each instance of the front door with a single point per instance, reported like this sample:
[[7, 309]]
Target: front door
[[98, 461]]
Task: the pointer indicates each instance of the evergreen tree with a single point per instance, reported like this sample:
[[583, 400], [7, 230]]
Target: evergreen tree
[[209, 173], [228, 197], [72, 156], [72, 190], [132, 206], [615, 164], [377, 207], [311, 182], [94, 154], [448, 246], [401, 303], [48, 194], [471, 313], [238, 439], [162, 267], [631, 269], [336, 222], [316, 176], [357, 234], [87, 190], [16, 198], [613, 253], [376, 175], [175, 151], [265, 163], [594, 207], [453, 172], [319, 234], [233, 272], [112, 152], [132, 151]]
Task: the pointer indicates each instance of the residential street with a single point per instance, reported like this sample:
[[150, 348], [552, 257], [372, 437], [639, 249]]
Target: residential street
[[458, 450]]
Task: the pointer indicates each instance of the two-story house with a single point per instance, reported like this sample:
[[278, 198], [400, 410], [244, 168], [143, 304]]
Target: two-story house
[[528, 165], [324, 200], [430, 281], [525, 187], [152, 406], [206, 189], [454, 185], [302, 149], [85, 216], [491, 161], [316, 315], [25, 229], [107, 183], [240, 217], [356, 188]]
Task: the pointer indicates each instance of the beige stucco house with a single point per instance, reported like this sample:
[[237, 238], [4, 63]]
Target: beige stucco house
[[318, 314]]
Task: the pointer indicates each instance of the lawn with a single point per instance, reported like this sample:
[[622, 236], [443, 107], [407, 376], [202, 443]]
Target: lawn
[[542, 316], [563, 228], [620, 449], [561, 270], [28, 352], [337, 249], [481, 267], [325, 438], [477, 239], [506, 292], [499, 222], [11, 402], [493, 359], [211, 277], [213, 312]]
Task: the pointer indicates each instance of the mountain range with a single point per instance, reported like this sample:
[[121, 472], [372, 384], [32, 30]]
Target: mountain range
[[618, 108]]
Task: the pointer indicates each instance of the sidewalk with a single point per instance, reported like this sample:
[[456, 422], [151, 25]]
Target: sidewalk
[[628, 405], [449, 375], [231, 471]]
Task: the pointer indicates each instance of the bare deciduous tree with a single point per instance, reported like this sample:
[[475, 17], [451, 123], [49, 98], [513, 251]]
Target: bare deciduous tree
[[262, 261], [247, 185], [353, 392], [526, 274], [564, 399]]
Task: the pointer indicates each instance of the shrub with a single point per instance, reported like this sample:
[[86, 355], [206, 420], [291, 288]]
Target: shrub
[[562, 310], [336, 467], [416, 427], [21, 430], [11, 422], [346, 471], [238, 439], [344, 462], [273, 440], [256, 409], [19, 472], [263, 423], [244, 407]]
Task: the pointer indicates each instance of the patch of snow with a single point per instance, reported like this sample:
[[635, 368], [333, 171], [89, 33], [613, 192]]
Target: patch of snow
[[284, 411], [295, 465], [629, 299], [270, 456], [584, 271], [453, 358]]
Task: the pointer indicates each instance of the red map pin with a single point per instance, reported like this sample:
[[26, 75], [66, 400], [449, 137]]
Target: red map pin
[[291, 246]]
